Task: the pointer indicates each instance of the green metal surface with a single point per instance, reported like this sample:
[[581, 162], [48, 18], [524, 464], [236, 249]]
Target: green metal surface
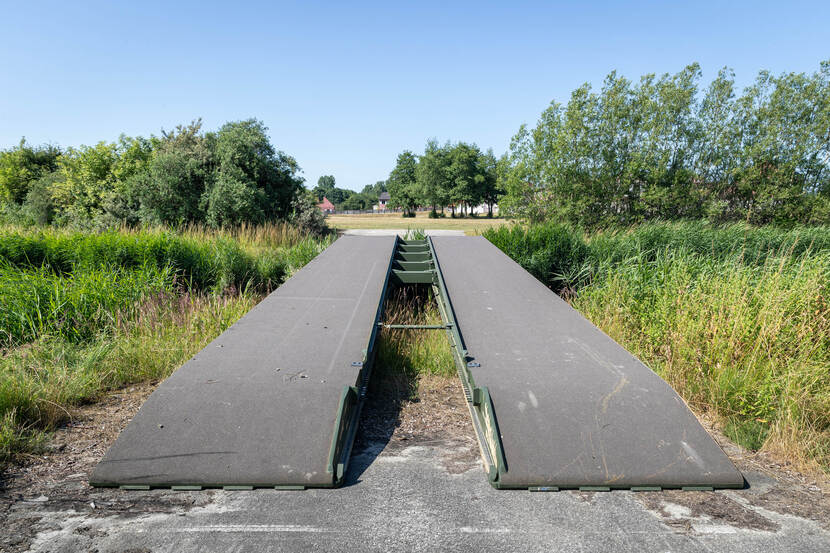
[[413, 265], [414, 256], [413, 277]]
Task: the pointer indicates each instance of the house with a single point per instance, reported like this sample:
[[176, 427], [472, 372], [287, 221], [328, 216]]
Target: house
[[326, 206], [383, 199]]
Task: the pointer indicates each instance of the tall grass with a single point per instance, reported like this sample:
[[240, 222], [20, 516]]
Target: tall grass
[[735, 318], [40, 382], [75, 306], [260, 258], [404, 356]]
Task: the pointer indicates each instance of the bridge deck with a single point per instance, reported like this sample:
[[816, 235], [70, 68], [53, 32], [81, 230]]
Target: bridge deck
[[573, 408], [259, 405]]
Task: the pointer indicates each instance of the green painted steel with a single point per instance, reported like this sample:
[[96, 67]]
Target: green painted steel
[[414, 256], [413, 265], [414, 247], [414, 262], [413, 277], [564, 406]]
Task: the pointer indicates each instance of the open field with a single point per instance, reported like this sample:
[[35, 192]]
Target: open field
[[470, 225]]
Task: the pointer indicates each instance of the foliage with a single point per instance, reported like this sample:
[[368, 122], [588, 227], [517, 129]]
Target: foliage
[[656, 149], [225, 178], [307, 216], [459, 175], [192, 259], [402, 182], [21, 166], [41, 382]]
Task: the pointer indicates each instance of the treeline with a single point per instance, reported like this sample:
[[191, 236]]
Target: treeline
[[459, 175], [186, 176], [345, 199], [659, 149]]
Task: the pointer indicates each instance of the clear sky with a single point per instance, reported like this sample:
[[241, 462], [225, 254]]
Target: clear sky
[[344, 87]]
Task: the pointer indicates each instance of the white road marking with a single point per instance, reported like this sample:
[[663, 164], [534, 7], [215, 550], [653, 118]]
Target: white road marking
[[244, 528]]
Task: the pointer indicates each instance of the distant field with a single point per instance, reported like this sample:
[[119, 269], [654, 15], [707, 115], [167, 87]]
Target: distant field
[[421, 221]]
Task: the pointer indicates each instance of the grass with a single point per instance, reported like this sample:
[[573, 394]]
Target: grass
[[470, 225], [86, 313], [406, 356], [735, 318], [250, 257]]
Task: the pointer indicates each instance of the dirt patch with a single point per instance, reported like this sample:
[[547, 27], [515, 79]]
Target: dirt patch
[[688, 511], [39, 491], [437, 415], [774, 485]]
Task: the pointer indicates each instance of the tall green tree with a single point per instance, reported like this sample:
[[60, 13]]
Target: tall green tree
[[402, 183], [659, 149], [253, 181], [432, 176]]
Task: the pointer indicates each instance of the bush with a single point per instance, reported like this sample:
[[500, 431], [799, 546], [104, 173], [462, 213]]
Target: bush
[[307, 217]]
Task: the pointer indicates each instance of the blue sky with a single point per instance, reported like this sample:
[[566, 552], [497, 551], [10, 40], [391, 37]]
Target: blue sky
[[344, 87]]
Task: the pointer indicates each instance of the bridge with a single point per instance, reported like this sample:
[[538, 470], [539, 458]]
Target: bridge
[[274, 402]]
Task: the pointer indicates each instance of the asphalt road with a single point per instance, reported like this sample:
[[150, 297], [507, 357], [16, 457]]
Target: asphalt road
[[430, 497]]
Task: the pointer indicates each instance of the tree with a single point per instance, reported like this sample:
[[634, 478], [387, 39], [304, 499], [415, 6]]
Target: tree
[[22, 166], [402, 183], [491, 183], [179, 174], [464, 176], [325, 188], [433, 179], [655, 150], [373, 191], [260, 181], [358, 201]]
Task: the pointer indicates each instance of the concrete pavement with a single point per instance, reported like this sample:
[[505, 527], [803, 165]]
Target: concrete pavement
[[431, 497]]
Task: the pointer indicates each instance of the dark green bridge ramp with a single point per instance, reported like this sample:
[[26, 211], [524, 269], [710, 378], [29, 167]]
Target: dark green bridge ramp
[[273, 400], [572, 408]]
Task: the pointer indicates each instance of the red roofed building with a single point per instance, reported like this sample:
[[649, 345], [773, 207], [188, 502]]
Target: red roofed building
[[326, 206]]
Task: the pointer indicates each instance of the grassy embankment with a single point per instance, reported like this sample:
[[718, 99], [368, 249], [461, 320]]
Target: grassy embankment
[[736, 319], [470, 225], [84, 313]]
